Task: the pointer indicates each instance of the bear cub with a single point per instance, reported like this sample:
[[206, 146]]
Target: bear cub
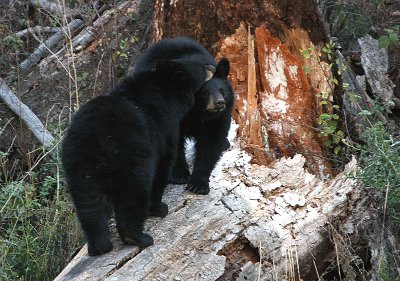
[[119, 149], [209, 120]]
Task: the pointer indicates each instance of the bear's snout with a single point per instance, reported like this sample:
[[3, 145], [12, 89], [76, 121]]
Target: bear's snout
[[219, 103]]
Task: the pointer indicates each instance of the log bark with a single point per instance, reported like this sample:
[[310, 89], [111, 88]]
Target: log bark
[[26, 114]]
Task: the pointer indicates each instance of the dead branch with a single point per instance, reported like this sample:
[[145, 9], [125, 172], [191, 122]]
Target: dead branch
[[50, 44], [55, 9], [36, 30], [26, 114], [90, 32]]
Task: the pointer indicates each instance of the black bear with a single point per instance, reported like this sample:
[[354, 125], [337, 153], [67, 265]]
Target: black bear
[[119, 150], [208, 122]]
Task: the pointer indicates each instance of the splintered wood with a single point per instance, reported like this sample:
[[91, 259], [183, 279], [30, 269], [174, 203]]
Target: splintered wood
[[281, 211]]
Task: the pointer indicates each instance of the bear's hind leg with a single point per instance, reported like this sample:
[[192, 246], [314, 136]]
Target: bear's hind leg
[[131, 208], [157, 207], [93, 214]]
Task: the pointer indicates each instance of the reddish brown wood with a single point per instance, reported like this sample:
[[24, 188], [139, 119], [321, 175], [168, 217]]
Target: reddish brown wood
[[276, 106]]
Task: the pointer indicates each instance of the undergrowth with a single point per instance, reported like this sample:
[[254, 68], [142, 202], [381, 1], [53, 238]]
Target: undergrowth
[[379, 162], [38, 229]]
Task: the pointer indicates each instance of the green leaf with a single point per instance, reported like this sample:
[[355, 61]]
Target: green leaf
[[384, 41], [325, 116], [337, 150], [365, 112], [393, 37], [307, 69]]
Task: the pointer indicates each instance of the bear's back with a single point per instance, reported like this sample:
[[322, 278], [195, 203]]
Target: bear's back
[[167, 49]]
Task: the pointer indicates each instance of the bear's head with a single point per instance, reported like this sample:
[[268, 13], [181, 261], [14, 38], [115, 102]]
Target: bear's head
[[216, 94], [184, 76]]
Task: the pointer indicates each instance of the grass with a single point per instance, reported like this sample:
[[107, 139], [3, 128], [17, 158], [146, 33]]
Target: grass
[[38, 228], [379, 162]]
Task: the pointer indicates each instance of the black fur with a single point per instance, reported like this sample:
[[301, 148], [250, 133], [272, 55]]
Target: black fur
[[119, 150], [208, 122]]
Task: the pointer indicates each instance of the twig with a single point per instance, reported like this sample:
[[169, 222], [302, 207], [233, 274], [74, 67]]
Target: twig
[[26, 114], [37, 29], [49, 44]]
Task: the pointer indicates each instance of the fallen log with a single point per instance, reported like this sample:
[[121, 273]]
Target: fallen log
[[56, 9], [49, 45], [26, 114], [37, 29], [257, 222]]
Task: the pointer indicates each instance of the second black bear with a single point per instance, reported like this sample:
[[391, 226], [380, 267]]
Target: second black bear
[[208, 122], [119, 149]]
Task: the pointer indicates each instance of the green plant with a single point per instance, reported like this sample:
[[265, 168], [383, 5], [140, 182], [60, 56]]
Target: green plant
[[390, 38], [123, 45], [379, 163], [328, 121], [38, 228]]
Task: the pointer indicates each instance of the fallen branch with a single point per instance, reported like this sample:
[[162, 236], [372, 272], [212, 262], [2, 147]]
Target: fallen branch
[[56, 9], [87, 35], [50, 44], [36, 30], [24, 112]]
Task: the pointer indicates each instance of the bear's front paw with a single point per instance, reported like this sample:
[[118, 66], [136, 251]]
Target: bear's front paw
[[99, 247], [199, 187], [142, 240], [180, 177], [159, 211]]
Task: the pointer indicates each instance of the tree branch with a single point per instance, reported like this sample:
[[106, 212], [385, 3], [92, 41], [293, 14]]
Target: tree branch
[[50, 44], [24, 112], [55, 9], [37, 29]]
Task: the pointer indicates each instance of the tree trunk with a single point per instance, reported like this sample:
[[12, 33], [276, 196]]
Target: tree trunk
[[275, 222], [276, 103]]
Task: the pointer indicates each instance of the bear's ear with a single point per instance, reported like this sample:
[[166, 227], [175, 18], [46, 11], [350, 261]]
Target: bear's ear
[[222, 68], [210, 70]]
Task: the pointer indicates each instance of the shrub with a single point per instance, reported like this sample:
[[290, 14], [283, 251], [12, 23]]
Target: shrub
[[380, 166]]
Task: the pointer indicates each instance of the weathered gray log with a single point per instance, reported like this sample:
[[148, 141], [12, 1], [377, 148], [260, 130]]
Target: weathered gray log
[[24, 112], [49, 45], [356, 99], [283, 211], [37, 29], [375, 62], [55, 9]]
